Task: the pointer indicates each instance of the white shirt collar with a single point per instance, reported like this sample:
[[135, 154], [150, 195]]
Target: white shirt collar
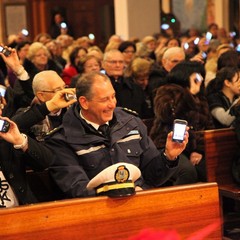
[[96, 126]]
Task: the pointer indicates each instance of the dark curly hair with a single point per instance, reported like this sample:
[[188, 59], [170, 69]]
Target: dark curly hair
[[171, 101], [74, 54]]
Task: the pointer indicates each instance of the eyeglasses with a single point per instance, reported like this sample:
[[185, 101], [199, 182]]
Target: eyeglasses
[[129, 51], [41, 55], [53, 91], [175, 61], [115, 61]]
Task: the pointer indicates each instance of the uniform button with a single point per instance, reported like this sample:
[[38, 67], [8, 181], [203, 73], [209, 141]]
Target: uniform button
[[112, 149], [11, 175], [21, 189]]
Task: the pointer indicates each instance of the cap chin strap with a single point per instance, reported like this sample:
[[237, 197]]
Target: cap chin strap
[[107, 188]]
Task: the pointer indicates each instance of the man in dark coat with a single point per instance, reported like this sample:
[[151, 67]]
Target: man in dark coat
[[128, 94]]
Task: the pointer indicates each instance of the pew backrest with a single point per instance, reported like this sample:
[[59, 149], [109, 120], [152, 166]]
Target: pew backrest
[[221, 147], [185, 209]]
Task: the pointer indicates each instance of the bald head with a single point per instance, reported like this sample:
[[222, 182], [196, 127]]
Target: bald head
[[172, 57], [171, 52], [47, 81]]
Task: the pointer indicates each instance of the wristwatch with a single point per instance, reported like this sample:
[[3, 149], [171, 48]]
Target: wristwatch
[[25, 142]]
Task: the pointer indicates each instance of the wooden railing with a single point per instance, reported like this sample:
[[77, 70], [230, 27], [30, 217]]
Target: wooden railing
[[185, 209]]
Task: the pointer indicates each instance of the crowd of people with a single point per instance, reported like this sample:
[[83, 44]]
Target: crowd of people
[[160, 77]]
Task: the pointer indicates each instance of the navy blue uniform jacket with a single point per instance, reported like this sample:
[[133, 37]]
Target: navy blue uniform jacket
[[81, 152]]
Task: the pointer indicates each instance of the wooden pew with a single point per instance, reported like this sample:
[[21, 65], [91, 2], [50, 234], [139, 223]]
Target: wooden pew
[[186, 209], [220, 148]]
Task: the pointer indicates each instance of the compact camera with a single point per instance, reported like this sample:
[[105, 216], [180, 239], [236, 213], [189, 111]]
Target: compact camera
[[4, 126], [179, 129], [69, 96], [5, 51]]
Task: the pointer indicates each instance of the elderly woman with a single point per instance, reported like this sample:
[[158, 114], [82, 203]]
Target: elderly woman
[[140, 69], [88, 64], [37, 60]]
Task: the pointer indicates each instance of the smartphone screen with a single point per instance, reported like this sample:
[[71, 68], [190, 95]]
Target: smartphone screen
[[2, 90], [63, 25], [5, 51], [4, 126], [204, 55], [179, 129], [208, 36]]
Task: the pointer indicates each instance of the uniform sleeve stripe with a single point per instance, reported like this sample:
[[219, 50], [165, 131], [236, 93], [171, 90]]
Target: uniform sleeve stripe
[[127, 139], [89, 150]]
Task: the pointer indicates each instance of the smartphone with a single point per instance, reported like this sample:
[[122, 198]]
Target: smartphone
[[69, 96], [103, 71], [196, 40], [24, 32], [232, 34], [198, 78], [186, 46], [208, 36], [4, 126], [238, 48], [204, 55], [91, 36], [63, 25], [179, 129], [5, 51], [2, 90]]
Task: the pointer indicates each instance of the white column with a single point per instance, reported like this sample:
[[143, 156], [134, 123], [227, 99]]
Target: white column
[[222, 13], [166, 6], [1, 23], [136, 18]]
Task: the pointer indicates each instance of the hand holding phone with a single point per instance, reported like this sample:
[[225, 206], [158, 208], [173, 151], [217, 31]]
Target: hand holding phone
[[179, 129]]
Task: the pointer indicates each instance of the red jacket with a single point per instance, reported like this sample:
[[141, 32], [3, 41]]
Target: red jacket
[[68, 72]]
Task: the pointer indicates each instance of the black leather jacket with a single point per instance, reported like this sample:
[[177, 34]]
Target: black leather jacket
[[14, 163]]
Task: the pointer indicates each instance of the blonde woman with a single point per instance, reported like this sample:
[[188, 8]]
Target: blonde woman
[[37, 60]]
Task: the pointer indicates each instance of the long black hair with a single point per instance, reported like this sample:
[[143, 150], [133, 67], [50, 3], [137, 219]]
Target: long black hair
[[180, 74]]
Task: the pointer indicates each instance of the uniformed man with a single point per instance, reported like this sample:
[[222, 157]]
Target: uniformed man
[[82, 150]]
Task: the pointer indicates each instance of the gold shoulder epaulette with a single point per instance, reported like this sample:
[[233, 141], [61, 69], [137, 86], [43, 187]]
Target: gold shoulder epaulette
[[130, 111], [52, 131]]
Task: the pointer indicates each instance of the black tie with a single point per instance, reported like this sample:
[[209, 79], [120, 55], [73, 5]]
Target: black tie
[[104, 129]]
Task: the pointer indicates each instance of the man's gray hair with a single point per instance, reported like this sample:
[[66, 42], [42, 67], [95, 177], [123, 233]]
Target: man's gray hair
[[85, 83], [173, 51]]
